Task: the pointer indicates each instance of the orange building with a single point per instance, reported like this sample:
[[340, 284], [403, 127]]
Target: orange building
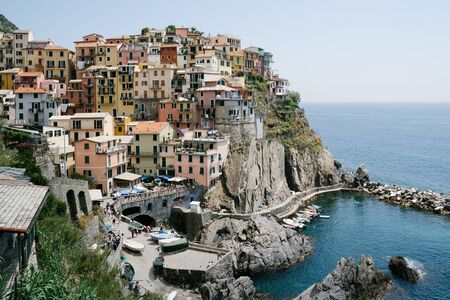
[[168, 54]]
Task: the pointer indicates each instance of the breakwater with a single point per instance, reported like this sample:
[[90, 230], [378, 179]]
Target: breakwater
[[427, 200]]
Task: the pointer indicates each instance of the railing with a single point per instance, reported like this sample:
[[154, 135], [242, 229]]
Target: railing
[[133, 153], [151, 195], [110, 149]]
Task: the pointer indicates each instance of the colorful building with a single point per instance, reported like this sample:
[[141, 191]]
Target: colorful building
[[101, 158], [6, 52], [7, 78], [34, 106], [86, 125], [201, 157], [132, 54], [180, 112], [169, 54], [80, 96], [148, 136], [237, 62], [107, 91], [120, 125], [107, 55], [214, 60], [125, 104], [86, 52]]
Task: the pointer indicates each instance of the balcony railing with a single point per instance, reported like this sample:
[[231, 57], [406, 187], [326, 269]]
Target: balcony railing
[[165, 167], [101, 150], [133, 153]]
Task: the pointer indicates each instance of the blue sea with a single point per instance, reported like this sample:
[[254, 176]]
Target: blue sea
[[404, 144]]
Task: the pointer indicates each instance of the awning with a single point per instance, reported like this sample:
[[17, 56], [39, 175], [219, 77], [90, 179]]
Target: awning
[[127, 176], [177, 179], [95, 195], [165, 177]]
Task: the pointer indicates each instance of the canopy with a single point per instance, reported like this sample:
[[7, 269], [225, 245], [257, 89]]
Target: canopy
[[127, 176], [177, 179], [165, 177]]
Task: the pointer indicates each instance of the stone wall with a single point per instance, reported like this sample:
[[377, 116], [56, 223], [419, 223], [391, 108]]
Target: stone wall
[[91, 231], [187, 222], [75, 193]]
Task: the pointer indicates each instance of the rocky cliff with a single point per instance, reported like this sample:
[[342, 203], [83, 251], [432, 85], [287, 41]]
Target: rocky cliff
[[350, 281], [259, 244]]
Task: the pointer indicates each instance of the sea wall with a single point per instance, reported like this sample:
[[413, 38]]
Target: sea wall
[[427, 200]]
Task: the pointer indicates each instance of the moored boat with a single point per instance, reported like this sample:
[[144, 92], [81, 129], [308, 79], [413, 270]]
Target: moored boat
[[179, 244], [161, 235], [133, 245]]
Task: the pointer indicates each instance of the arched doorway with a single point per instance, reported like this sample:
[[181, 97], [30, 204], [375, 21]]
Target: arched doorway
[[82, 202], [150, 207], [131, 211], [71, 201], [145, 220]]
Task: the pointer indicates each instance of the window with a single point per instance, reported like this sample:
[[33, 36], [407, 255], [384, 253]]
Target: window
[[86, 135], [155, 160], [137, 137], [155, 137], [35, 95], [86, 159], [86, 146], [202, 171], [190, 158], [201, 159], [20, 96], [21, 116], [191, 170], [98, 124], [179, 158], [180, 169], [138, 160], [76, 124], [20, 105], [138, 149], [75, 136], [164, 203], [87, 173]]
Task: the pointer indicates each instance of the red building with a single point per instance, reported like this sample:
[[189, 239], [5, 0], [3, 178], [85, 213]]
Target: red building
[[181, 113], [168, 54], [80, 96]]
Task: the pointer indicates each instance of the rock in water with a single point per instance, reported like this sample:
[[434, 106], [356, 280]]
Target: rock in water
[[259, 244], [228, 289], [399, 267], [362, 175], [351, 281]]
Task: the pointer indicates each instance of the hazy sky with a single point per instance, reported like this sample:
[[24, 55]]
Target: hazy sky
[[341, 50]]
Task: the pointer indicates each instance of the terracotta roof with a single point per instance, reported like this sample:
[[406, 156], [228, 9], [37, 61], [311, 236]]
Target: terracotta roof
[[55, 47], [204, 55], [86, 44], [29, 74], [149, 127], [28, 90]]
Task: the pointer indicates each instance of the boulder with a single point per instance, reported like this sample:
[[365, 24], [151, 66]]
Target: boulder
[[229, 288], [399, 267], [362, 175], [259, 244], [350, 281]]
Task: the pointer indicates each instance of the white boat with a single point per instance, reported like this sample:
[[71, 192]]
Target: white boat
[[324, 216], [316, 206], [293, 223], [172, 295], [169, 240], [133, 245]]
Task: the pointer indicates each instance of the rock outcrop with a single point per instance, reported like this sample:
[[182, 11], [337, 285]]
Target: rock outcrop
[[351, 281], [228, 289], [258, 244], [399, 267], [253, 177], [356, 180], [308, 168]]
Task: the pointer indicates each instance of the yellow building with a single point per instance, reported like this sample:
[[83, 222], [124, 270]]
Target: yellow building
[[237, 61], [120, 124], [7, 78], [107, 55], [148, 136], [52, 60], [125, 104], [107, 88]]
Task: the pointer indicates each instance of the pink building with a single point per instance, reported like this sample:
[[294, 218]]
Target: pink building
[[201, 157], [28, 80], [180, 112], [101, 158], [132, 54]]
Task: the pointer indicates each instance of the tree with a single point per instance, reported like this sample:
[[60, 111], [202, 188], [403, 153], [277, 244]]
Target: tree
[[145, 30], [171, 29]]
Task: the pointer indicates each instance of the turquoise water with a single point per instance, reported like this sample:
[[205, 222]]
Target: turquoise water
[[404, 144], [361, 225]]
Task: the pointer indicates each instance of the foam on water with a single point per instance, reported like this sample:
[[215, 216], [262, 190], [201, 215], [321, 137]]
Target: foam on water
[[416, 265]]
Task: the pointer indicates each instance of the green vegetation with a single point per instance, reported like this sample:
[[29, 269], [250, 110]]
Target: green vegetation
[[90, 180], [6, 26], [171, 28], [145, 30], [17, 151]]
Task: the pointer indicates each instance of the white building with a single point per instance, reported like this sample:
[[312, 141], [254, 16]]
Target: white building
[[8, 106], [280, 88], [34, 106], [214, 61], [20, 41], [60, 148]]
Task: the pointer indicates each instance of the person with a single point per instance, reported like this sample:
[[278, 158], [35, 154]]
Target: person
[[132, 233], [136, 287]]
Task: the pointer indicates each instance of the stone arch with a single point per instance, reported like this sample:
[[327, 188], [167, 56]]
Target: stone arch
[[82, 202], [131, 210], [145, 220], [71, 201], [150, 207]]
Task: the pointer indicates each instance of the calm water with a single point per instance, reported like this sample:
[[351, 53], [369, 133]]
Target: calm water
[[360, 225], [408, 145]]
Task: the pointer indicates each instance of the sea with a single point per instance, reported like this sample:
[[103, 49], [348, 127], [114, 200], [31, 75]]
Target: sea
[[403, 144]]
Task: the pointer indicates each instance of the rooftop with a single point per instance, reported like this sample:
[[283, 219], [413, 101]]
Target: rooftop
[[13, 175], [20, 206], [29, 90], [102, 138], [11, 71], [89, 115], [149, 127], [127, 176], [216, 88]]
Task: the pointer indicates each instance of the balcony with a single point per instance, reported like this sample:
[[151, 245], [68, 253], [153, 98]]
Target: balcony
[[100, 150], [165, 167], [155, 86], [149, 154]]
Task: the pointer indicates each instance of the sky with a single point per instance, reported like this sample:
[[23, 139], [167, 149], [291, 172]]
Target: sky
[[331, 51]]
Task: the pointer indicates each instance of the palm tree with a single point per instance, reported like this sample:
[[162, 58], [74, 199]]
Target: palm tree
[[144, 30]]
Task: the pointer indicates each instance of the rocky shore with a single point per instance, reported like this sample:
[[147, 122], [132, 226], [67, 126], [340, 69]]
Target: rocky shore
[[259, 245], [427, 200], [350, 280]]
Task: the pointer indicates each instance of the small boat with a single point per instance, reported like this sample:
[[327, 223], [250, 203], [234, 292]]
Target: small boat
[[316, 206], [128, 272], [133, 245], [324, 216], [161, 235], [169, 240], [172, 295], [173, 246], [293, 223]]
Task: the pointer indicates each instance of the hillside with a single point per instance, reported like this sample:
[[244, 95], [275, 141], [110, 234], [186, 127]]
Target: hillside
[[6, 26]]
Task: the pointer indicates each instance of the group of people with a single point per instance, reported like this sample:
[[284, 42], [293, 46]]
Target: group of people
[[113, 240]]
